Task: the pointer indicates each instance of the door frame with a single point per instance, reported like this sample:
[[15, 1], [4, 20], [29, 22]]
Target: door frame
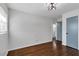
[[67, 15]]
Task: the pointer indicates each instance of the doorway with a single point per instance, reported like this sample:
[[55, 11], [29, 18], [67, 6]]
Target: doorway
[[54, 32], [59, 31]]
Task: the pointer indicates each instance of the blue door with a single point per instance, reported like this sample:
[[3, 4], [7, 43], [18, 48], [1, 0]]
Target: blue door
[[72, 32], [59, 31]]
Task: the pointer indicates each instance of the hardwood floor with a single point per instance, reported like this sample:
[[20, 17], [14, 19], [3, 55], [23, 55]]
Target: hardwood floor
[[47, 49]]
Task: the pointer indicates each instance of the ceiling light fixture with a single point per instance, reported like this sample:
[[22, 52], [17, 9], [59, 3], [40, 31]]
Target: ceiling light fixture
[[51, 6]]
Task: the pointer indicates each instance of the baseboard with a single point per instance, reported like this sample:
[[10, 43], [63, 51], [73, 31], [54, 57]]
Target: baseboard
[[67, 45], [29, 46], [72, 47], [63, 43], [59, 40]]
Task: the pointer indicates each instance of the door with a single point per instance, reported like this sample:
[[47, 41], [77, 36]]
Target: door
[[72, 32], [59, 31]]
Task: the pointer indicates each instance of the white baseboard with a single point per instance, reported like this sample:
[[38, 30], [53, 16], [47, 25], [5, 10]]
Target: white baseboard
[[29, 45]]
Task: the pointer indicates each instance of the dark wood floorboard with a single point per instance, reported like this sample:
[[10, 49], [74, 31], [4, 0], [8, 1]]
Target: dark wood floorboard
[[54, 48]]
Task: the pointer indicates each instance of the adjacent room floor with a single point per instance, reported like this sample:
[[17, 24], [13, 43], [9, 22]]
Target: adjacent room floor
[[47, 49]]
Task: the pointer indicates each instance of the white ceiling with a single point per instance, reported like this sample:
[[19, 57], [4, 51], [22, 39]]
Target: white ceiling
[[41, 8]]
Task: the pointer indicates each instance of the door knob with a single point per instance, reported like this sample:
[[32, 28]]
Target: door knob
[[66, 33]]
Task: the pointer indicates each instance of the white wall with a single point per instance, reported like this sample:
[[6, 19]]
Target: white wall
[[4, 37], [64, 16], [54, 30], [59, 19], [26, 30]]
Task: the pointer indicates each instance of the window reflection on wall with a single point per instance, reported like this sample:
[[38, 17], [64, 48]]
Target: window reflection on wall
[[3, 24]]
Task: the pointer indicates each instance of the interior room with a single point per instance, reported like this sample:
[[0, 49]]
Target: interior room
[[39, 29]]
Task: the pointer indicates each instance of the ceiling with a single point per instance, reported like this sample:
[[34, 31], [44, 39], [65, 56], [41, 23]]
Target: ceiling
[[40, 9]]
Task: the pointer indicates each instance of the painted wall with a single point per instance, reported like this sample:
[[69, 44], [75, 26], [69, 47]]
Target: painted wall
[[64, 16], [54, 30], [27, 30], [4, 37]]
